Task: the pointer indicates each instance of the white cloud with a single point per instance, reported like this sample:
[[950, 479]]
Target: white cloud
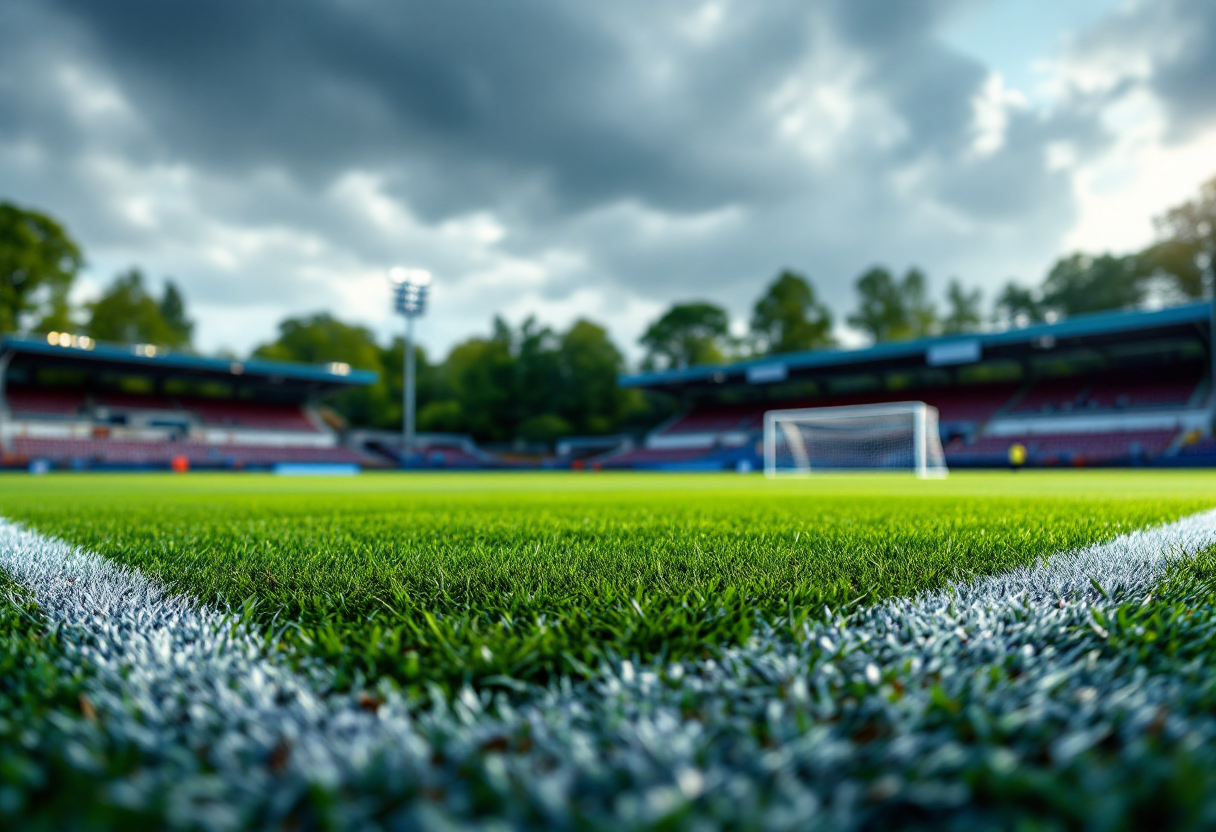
[[991, 110], [1141, 176]]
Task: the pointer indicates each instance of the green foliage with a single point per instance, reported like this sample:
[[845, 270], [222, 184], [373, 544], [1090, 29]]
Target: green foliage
[[1178, 263], [891, 309], [532, 383], [547, 428], [128, 313], [173, 312], [457, 578], [1082, 283], [1171, 270], [789, 317], [686, 335], [441, 417], [480, 372], [964, 313], [1017, 305], [38, 263], [1188, 244], [588, 364], [322, 339]]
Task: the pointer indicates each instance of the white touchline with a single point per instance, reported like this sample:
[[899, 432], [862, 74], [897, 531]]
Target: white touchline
[[169, 674]]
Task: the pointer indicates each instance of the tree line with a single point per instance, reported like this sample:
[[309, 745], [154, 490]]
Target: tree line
[[536, 383]]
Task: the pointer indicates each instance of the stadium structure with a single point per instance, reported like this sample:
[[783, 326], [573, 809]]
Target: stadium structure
[[1107, 389], [68, 401]]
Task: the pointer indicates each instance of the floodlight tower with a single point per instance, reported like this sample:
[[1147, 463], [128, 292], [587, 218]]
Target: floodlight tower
[[410, 288]]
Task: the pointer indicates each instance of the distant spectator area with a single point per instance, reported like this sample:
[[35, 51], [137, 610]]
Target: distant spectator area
[[33, 403], [259, 415], [91, 405], [125, 452], [1163, 387]]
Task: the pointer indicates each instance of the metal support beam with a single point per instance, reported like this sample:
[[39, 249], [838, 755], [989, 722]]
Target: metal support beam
[[5, 359]]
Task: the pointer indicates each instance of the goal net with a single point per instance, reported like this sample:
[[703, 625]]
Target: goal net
[[900, 436]]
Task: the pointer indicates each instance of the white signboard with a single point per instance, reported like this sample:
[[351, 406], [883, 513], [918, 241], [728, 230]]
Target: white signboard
[[767, 373], [954, 352]]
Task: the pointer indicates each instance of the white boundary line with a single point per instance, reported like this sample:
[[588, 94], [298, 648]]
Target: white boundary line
[[170, 676]]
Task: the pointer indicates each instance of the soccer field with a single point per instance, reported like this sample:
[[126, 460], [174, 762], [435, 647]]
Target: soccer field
[[609, 651]]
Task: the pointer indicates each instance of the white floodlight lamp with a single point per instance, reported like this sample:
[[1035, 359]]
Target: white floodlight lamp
[[410, 290]]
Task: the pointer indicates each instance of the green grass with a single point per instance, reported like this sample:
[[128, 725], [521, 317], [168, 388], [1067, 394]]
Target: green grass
[[503, 578]]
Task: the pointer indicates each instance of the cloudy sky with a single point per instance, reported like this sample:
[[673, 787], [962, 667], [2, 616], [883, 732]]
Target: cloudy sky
[[593, 159]]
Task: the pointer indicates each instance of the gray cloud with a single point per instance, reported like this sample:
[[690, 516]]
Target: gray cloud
[[1168, 48], [639, 151]]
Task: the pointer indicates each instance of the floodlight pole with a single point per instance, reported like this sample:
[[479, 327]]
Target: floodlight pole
[[410, 288], [407, 422]]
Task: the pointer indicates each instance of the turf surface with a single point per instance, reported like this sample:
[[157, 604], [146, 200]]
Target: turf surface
[[501, 579]]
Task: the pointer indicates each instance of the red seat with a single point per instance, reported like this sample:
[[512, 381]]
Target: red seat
[[255, 415]]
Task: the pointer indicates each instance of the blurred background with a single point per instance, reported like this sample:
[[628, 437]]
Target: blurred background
[[599, 191]]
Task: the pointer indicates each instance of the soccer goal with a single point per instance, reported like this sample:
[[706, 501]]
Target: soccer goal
[[869, 437]]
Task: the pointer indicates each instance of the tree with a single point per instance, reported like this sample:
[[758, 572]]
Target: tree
[[323, 339], [538, 382], [686, 335], [480, 373], [126, 312], [441, 417], [1017, 305], [531, 383], [789, 317], [1188, 243], [964, 314], [173, 312], [1176, 264], [588, 365], [38, 263], [546, 428], [1082, 283], [894, 310]]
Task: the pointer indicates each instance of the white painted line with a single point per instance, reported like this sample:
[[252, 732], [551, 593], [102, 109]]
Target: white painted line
[[633, 744]]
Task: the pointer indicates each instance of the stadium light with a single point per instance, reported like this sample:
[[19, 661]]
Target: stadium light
[[410, 290]]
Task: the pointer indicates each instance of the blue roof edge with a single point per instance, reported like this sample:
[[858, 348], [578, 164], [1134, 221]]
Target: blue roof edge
[[181, 361], [1093, 323]]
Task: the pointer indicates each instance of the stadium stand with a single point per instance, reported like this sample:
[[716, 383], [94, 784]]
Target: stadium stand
[[162, 453], [1146, 391], [726, 417], [1057, 395], [30, 403], [1168, 388], [75, 407], [259, 415], [973, 404], [1109, 448], [1120, 388], [648, 457], [432, 450]]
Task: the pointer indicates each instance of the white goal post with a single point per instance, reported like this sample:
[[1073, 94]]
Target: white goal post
[[868, 437]]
